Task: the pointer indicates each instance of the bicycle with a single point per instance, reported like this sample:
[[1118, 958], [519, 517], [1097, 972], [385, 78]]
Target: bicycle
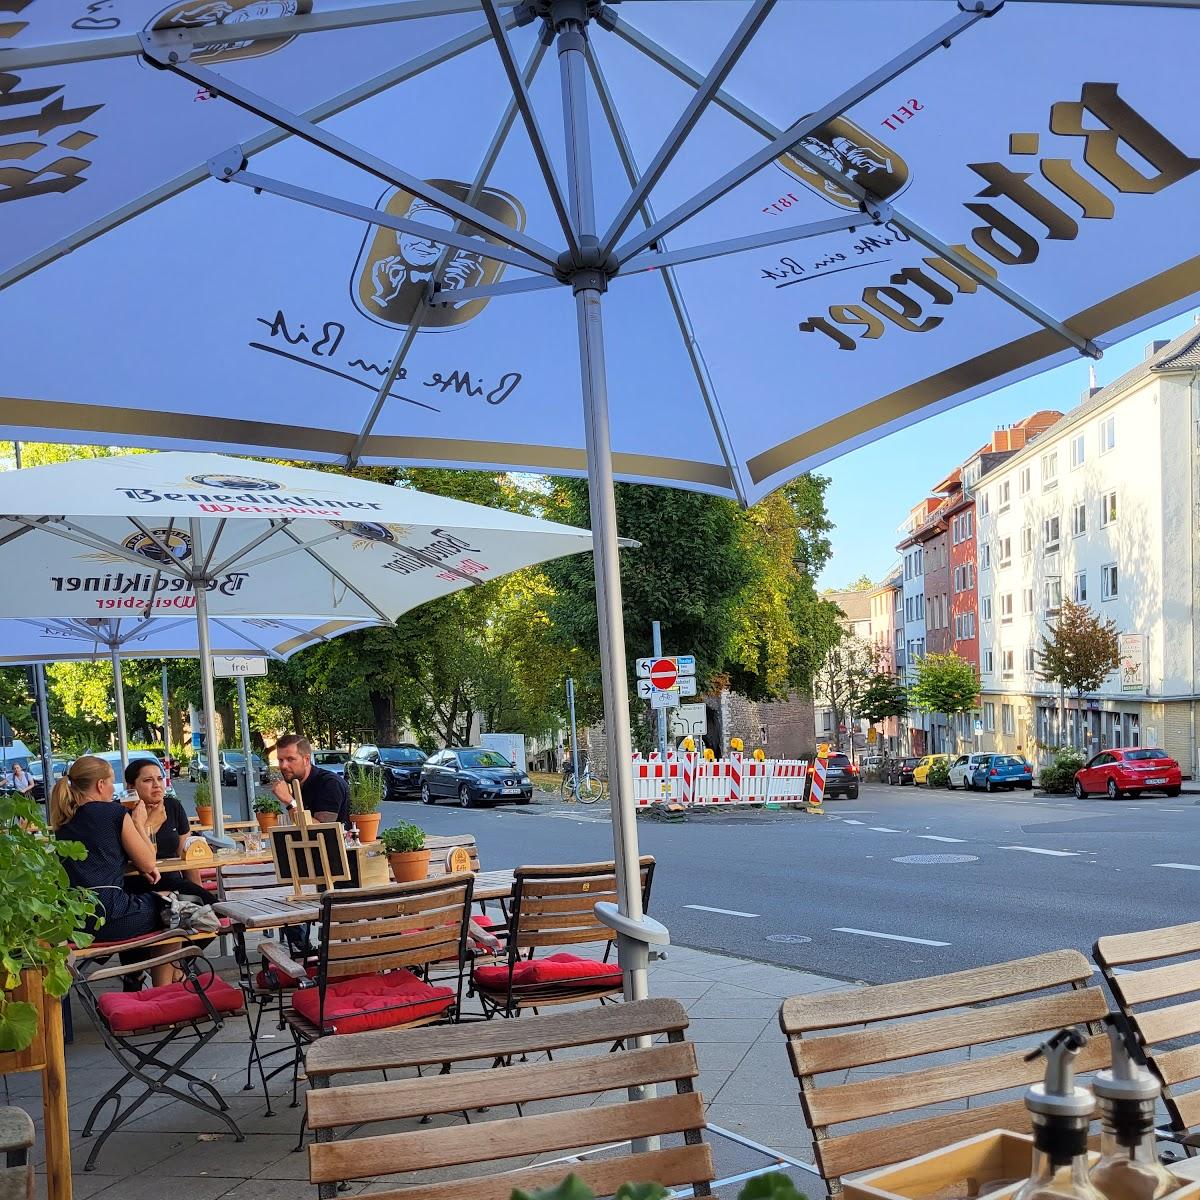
[[589, 790]]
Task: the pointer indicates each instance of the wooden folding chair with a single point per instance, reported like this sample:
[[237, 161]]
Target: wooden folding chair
[[678, 1116], [1168, 1033], [832, 1033], [554, 907]]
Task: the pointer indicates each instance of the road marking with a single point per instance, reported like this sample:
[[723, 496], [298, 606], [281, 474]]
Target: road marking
[[854, 822], [1179, 866], [1039, 850], [883, 829], [725, 912], [890, 937], [933, 837]]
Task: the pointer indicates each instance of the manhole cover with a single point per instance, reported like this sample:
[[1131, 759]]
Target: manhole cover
[[936, 859], [790, 939]]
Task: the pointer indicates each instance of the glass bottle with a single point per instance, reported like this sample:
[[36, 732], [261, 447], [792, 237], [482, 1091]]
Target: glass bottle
[[1126, 1096], [1061, 1114]]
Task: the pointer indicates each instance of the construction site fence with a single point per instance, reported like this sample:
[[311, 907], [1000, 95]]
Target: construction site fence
[[687, 778]]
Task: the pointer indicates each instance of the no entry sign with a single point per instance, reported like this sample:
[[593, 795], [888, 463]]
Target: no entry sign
[[664, 673]]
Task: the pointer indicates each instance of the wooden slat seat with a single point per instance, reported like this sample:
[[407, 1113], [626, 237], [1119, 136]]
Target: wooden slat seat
[[439, 847], [833, 1035], [676, 1114], [1155, 978]]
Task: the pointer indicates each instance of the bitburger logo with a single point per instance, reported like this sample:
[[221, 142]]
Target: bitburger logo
[[394, 268], [853, 152], [235, 483], [161, 545], [229, 14]]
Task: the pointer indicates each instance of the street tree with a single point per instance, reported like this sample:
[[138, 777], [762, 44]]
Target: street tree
[[945, 684], [885, 696], [842, 678], [1080, 652]]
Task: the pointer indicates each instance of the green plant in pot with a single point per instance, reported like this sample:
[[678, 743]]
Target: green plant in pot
[[204, 812], [267, 811], [405, 846], [40, 914], [368, 787]]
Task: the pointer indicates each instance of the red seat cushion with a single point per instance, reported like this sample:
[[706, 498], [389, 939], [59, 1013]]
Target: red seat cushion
[[372, 1002], [565, 970], [171, 1004], [270, 981]]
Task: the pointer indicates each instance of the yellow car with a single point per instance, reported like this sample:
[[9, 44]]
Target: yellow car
[[921, 770]]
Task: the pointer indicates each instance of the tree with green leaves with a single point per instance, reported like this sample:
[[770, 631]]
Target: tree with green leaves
[[945, 684], [843, 677], [1080, 652], [884, 696]]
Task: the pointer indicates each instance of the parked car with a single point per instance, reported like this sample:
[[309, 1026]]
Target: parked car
[[921, 770], [113, 758], [900, 770], [58, 767], [334, 761], [1129, 772], [198, 767], [1002, 771], [841, 778], [232, 763], [471, 774], [962, 770], [401, 767], [872, 765]]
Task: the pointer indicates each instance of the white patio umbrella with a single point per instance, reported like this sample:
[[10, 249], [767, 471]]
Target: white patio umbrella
[[26, 641], [216, 537], [876, 210]]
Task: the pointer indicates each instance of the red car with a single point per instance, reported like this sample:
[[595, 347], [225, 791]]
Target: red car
[[1130, 772]]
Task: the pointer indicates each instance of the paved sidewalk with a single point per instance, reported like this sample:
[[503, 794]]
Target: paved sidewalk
[[172, 1150]]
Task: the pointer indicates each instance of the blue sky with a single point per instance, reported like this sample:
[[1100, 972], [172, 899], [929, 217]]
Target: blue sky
[[872, 489]]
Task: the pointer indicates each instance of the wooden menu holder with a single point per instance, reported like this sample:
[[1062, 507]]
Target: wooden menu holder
[[309, 852]]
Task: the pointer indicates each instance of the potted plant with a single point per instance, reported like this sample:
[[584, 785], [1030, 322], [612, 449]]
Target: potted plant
[[267, 811], [367, 790], [204, 812], [40, 914], [405, 846]]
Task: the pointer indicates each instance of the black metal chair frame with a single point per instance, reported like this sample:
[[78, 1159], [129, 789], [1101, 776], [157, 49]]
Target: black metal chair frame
[[140, 1052]]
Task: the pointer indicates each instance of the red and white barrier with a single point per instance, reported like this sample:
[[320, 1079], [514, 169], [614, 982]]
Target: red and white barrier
[[654, 779], [818, 783], [696, 782]]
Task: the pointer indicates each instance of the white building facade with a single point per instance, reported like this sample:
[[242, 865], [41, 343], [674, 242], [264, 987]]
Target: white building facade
[[1100, 509]]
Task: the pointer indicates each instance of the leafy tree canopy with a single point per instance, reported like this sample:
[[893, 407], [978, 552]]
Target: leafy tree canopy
[[1081, 650], [945, 684]]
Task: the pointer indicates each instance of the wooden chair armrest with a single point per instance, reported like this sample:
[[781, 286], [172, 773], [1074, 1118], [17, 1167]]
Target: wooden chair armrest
[[281, 960], [105, 949], [180, 955]]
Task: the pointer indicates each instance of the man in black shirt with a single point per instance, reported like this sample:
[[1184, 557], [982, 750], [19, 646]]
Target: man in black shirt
[[325, 794]]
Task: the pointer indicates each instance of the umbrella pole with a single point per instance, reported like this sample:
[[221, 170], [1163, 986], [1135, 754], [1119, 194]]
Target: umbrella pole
[[212, 744], [119, 701]]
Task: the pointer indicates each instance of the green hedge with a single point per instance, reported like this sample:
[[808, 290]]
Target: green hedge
[[1059, 776]]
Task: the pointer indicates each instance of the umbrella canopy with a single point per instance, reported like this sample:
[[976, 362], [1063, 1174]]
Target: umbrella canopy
[[806, 224], [215, 537]]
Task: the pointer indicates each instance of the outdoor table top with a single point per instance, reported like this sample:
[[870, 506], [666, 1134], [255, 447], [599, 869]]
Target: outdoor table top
[[271, 908], [243, 858]]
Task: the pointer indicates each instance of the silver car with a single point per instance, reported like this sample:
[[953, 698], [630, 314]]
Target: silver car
[[333, 761]]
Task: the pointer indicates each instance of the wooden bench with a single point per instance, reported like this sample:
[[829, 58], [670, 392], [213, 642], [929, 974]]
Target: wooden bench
[[334, 1109], [1169, 1033], [16, 1140], [439, 847], [832, 1033]]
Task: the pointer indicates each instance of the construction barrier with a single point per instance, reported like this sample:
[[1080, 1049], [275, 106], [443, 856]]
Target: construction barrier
[[687, 778]]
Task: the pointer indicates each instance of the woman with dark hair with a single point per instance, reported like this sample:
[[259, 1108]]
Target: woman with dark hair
[[82, 810], [167, 827]]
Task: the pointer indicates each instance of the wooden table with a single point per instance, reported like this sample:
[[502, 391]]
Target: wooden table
[[243, 858]]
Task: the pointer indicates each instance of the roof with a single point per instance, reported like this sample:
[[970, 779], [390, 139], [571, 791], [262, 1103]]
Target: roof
[[855, 604]]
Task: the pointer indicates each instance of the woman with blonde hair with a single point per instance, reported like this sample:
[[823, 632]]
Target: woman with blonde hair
[[82, 809]]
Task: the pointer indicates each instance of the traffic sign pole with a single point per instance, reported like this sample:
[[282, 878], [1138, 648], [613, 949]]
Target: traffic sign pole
[[656, 632]]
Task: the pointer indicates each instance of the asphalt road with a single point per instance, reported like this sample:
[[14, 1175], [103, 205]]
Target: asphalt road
[[896, 884]]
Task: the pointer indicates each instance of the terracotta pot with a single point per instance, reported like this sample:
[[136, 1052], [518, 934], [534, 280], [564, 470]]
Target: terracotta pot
[[266, 821], [204, 814], [367, 825], [410, 867]]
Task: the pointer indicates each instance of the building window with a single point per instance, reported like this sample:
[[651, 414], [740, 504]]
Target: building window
[[1023, 480], [1108, 508], [985, 556], [1031, 659], [918, 564], [1050, 535], [1006, 608], [1108, 434], [984, 504], [1049, 471], [989, 717], [1135, 728], [1080, 589], [1027, 540], [1008, 718], [1053, 595], [985, 607], [988, 662], [1027, 600], [1078, 520], [827, 721], [1077, 451], [919, 607], [1006, 663], [964, 626], [1004, 551], [1002, 496], [968, 525], [908, 566], [1108, 581]]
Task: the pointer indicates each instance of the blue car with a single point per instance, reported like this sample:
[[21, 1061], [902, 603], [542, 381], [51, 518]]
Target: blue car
[[1002, 771]]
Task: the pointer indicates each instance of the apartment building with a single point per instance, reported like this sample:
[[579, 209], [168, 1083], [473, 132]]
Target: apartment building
[[1100, 508], [912, 554], [887, 633], [857, 607]]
